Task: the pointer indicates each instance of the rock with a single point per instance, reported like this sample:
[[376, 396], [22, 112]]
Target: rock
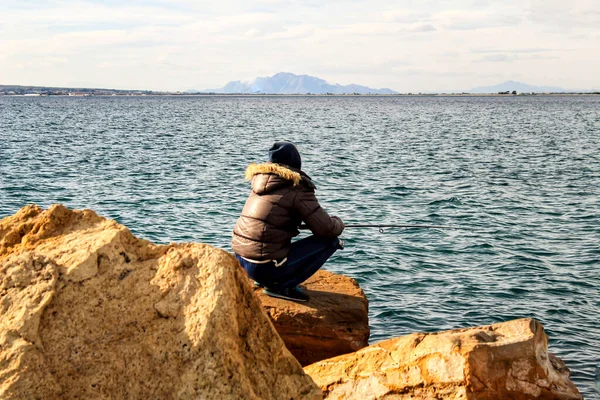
[[502, 361], [89, 311], [334, 321]]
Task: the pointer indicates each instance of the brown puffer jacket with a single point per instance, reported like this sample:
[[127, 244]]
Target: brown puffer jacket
[[281, 199]]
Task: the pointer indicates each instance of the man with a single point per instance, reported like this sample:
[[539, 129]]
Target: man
[[283, 197]]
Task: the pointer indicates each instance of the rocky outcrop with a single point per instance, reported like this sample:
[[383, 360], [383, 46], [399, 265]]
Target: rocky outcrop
[[502, 361], [89, 311], [334, 321]]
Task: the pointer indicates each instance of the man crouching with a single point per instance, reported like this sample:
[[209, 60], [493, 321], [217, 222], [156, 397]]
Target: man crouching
[[283, 197]]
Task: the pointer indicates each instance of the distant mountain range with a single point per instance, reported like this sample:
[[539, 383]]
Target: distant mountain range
[[520, 87], [282, 83], [288, 83]]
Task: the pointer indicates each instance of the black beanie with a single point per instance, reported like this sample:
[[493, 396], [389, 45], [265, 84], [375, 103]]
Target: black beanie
[[285, 153]]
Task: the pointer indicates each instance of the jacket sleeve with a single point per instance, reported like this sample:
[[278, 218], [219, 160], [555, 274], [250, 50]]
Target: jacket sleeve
[[315, 217]]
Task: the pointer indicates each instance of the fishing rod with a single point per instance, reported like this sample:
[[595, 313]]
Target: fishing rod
[[381, 226]]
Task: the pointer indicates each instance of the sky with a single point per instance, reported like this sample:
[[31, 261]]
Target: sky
[[408, 46]]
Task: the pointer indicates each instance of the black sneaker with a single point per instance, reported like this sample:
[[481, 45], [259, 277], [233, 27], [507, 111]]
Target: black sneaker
[[293, 294]]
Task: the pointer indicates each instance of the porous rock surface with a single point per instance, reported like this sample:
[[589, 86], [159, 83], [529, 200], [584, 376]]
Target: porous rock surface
[[89, 311], [502, 361], [334, 321]]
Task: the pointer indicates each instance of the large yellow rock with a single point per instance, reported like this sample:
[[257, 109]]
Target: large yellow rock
[[334, 321], [89, 311], [502, 361]]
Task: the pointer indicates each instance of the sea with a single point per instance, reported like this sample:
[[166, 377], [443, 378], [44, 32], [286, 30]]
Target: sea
[[517, 178]]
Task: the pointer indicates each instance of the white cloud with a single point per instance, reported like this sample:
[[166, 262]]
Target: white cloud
[[406, 16], [498, 58], [294, 32], [253, 33], [471, 20], [78, 13], [421, 28], [561, 16], [182, 44]]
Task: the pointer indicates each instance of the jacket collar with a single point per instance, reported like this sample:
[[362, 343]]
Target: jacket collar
[[282, 171]]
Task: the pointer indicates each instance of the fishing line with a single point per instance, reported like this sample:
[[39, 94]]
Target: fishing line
[[381, 226]]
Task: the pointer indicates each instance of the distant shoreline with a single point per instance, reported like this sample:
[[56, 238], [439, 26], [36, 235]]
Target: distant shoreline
[[571, 94]]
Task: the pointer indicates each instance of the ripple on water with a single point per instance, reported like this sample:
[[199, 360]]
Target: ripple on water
[[519, 176]]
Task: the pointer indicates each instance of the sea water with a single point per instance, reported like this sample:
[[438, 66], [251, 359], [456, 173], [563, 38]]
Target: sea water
[[597, 378], [520, 177]]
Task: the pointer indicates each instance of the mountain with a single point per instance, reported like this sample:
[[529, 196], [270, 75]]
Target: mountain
[[288, 83], [509, 86]]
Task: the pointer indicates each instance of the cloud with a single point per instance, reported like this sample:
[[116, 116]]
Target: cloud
[[560, 16], [77, 40], [506, 58], [515, 51], [383, 29], [405, 16], [175, 44], [421, 28], [253, 33], [429, 72], [472, 20], [389, 66], [81, 14], [43, 62], [498, 58], [293, 33]]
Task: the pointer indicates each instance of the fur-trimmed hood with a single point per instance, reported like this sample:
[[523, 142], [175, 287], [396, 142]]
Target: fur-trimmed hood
[[268, 176], [276, 169]]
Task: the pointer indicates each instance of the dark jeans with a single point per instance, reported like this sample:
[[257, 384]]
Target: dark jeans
[[305, 258]]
